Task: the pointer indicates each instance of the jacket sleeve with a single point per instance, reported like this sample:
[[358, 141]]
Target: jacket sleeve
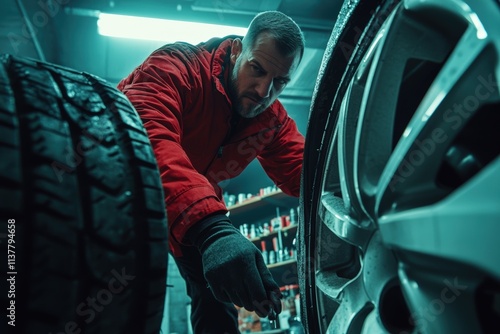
[[282, 158], [160, 89]]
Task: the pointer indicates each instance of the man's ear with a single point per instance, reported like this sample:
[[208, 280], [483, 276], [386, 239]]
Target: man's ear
[[236, 48]]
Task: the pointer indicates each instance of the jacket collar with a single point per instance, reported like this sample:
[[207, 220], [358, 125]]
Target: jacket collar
[[221, 64]]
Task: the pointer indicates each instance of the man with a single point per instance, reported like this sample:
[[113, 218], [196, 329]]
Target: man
[[209, 110]]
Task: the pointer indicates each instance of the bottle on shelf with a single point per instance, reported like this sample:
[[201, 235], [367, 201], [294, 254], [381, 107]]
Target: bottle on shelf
[[293, 217], [275, 249], [264, 251], [244, 230], [272, 257], [265, 229], [253, 232]]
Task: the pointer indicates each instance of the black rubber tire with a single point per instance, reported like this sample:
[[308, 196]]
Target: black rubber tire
[[358, 24], [81, 194]]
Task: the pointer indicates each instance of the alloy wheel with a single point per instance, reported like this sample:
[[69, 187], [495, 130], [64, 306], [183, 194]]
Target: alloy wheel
[[400, 207]]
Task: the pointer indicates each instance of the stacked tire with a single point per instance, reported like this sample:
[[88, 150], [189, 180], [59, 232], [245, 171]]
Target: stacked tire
[[81, 205]]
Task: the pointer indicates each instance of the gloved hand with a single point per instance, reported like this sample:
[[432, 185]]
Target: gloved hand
[[234, 268]]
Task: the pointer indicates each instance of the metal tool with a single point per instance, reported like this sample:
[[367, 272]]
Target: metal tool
[[272, 319]]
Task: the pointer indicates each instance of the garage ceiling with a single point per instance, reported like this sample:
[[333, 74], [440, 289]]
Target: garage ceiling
[[65, 32]]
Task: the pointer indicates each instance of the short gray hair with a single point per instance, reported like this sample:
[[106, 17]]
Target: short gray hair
[[287, 34]]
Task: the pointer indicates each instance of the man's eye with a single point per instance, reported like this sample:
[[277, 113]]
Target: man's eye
[[256, 69], [280, 82]]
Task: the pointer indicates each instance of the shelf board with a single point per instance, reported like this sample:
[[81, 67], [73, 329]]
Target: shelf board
[[281, 264], [256, 199], [258, 207], [274, 233]]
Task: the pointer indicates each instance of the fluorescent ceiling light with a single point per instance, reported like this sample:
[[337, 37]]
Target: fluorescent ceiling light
[[162, 30]]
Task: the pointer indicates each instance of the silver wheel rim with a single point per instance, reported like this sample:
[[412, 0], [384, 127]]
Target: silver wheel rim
[[388, 255]]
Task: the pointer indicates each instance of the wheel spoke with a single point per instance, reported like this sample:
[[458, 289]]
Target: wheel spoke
[[336, 217], [352, 311], [470, 214], [372, 325]]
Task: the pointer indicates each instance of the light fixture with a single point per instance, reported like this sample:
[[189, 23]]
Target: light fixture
[[162, 30]]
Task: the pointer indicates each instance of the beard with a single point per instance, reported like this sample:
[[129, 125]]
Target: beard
[[247, 105]]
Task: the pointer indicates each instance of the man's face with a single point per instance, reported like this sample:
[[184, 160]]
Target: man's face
[[259, 75]]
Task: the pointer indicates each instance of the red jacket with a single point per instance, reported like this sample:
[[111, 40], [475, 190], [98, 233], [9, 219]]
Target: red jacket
[[179, 94]]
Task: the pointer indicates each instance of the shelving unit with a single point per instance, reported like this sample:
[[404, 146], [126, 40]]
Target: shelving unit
[[262, 209]]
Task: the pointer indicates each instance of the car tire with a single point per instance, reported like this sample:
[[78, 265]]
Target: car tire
[[398, 219], [84, 224]]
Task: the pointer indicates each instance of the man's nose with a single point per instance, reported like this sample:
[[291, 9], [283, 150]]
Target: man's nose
[[264, 88]]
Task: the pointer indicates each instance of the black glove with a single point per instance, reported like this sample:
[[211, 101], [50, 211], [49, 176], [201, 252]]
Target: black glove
[[234, 267]]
